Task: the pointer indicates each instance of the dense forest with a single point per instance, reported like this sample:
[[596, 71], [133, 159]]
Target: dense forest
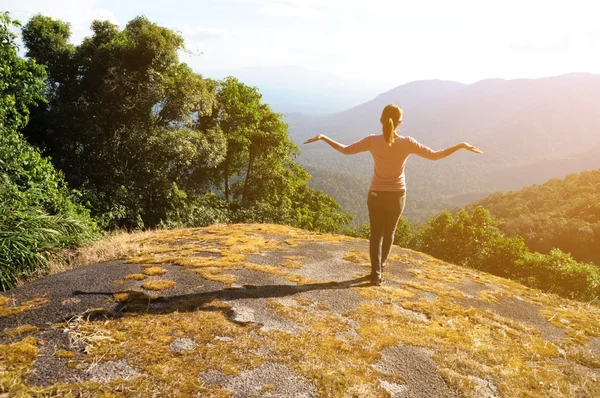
[[562, 214]]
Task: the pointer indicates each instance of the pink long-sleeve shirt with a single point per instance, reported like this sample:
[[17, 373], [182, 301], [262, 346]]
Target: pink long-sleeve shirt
[[388, 174]]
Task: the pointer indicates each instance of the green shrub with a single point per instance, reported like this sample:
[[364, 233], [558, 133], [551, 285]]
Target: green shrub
[[361, 231], [404, 236], [559, 273], [38, 212], [472, 239]]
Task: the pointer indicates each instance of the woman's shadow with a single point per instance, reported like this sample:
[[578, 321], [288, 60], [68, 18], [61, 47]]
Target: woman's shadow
[[134, 301]]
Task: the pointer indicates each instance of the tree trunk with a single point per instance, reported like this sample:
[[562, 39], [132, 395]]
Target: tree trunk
[[248, 171], [226, 171]]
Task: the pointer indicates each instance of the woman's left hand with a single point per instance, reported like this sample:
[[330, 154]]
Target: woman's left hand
[[471, 148], [314, 139]]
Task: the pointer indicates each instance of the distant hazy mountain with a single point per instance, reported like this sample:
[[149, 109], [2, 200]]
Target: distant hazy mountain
[[291, 89], [529, 129], [363, 119]]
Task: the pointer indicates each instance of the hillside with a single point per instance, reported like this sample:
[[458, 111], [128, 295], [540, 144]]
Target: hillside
[[530, 131], [350, 192], [240, 310], [560, 213]]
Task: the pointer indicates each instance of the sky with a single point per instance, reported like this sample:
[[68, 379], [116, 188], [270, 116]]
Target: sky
[[382, 42]]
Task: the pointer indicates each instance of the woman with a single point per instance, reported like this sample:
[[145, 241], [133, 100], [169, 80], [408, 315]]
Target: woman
[[386, 196]]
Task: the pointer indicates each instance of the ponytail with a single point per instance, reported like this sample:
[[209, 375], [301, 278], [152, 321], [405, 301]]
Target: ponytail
[[391, 117], [388, 131]]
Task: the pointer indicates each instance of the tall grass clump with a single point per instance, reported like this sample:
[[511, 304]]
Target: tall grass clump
[[28, 238]]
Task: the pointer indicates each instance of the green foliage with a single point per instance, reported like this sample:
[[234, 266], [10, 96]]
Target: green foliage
[[363, 230], [201, 211], [560, 273], [349, 190], [28, 237], [562, 214], [21, 82], [37, 213], [314, 210], [404, 236], [121, 121], [473, 239], [258, 174], [460, 240]]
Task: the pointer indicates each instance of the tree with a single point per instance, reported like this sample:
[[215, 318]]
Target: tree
[[121, 118], [258, 174], [463, 240], [236, 114]]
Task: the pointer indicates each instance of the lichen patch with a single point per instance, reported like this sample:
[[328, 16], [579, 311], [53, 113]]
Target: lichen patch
[[182, 344]]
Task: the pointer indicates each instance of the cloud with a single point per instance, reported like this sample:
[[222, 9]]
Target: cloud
[[285, 10]]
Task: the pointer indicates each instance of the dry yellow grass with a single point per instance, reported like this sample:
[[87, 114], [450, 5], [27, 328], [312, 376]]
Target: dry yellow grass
[[115, 246], [136, 277], [6, 309], [217, 275], [267, 269], [16, 361], [578, 326], [299, 279], [267, 389], [134, 300], [358, 257], [20, 331], [154, 271], [161, 284], [292, 262]]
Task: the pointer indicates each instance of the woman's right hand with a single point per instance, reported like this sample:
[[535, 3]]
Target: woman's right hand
[[314, 139], [471, 148]]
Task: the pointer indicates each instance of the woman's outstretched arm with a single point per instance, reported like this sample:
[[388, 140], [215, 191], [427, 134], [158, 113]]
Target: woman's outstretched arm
[[428, 153], [358, 146]]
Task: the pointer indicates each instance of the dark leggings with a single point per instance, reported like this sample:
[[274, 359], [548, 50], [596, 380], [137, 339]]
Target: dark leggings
[[385, 209]]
